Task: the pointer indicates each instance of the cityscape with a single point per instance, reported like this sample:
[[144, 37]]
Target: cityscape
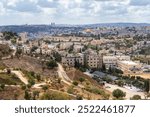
[[80, 58]]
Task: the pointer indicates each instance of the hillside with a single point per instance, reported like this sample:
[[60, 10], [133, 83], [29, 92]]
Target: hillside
[[4, 50], [91, 87], [29, 64], [47, 83]]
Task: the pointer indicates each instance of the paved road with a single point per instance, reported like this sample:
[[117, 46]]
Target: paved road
[[129, 93]]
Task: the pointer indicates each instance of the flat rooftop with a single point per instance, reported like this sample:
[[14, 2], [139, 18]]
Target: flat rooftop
[[129, 62]]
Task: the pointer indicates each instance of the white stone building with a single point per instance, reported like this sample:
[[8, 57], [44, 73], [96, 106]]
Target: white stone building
[[113, 60], [92, 60], [129, 66]]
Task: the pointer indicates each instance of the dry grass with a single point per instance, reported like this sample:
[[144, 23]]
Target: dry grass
[[29, 64], [144, 75], [9, 93], [75, 75]]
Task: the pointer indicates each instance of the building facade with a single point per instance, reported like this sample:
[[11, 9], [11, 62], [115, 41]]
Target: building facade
[[113, 60], [90, 60]]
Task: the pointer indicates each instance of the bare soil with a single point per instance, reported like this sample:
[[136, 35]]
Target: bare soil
[[29, 64]]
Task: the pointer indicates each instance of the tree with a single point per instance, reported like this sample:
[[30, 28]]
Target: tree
[[136, 97], [57, 56], [75, 83], [110, 70], [34, 48], [51, 64], [79, 97], [120, 83], [59, 80], [35, 94], [45, 87], [38, 77], [77, 64], [13, 41], [108, 79], [147, 85], [8, 71], [27, 95], [18, 52], [118, 71], [103, 67], [81, 79], [23, 87], [31, 81], [117, 93], [2, 86], [70, 90]]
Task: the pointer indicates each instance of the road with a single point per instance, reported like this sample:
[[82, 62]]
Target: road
[[129, 93], [62, 74]]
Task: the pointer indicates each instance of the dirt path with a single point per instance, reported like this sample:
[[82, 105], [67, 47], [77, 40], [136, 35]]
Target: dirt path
[[62, 74], [38, 86], [19, 74], [25, 81]]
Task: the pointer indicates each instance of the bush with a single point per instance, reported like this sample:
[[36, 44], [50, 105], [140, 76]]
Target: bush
[[81, 79], [27, 95], [79, 97], [38, 77], [45, 87], [107, 79], [51, 64], [95, 90], [118, 93], [82, 69], [23, 87], [75, 83], [55, 96], [31, 82], [120, 83], [35, 94], [57, 56], [70, 90], [2, 86], [136, 97]]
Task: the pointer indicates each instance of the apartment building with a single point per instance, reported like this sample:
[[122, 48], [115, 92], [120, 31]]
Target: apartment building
[[113, 60], [71, 59], [67, 38], [92, 60], [65, 45]]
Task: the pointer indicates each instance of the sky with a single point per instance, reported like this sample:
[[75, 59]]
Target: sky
[[18, 12]]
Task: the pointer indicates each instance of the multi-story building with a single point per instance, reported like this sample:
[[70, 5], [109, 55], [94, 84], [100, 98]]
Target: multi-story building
[[113, 60], [71, 59], [91, 60], [129, 66]]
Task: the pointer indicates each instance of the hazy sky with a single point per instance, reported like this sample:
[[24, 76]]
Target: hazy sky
[[73, 11]]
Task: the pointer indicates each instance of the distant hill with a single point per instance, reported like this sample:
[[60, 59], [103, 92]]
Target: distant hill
[[118, 24], [63, 28]]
